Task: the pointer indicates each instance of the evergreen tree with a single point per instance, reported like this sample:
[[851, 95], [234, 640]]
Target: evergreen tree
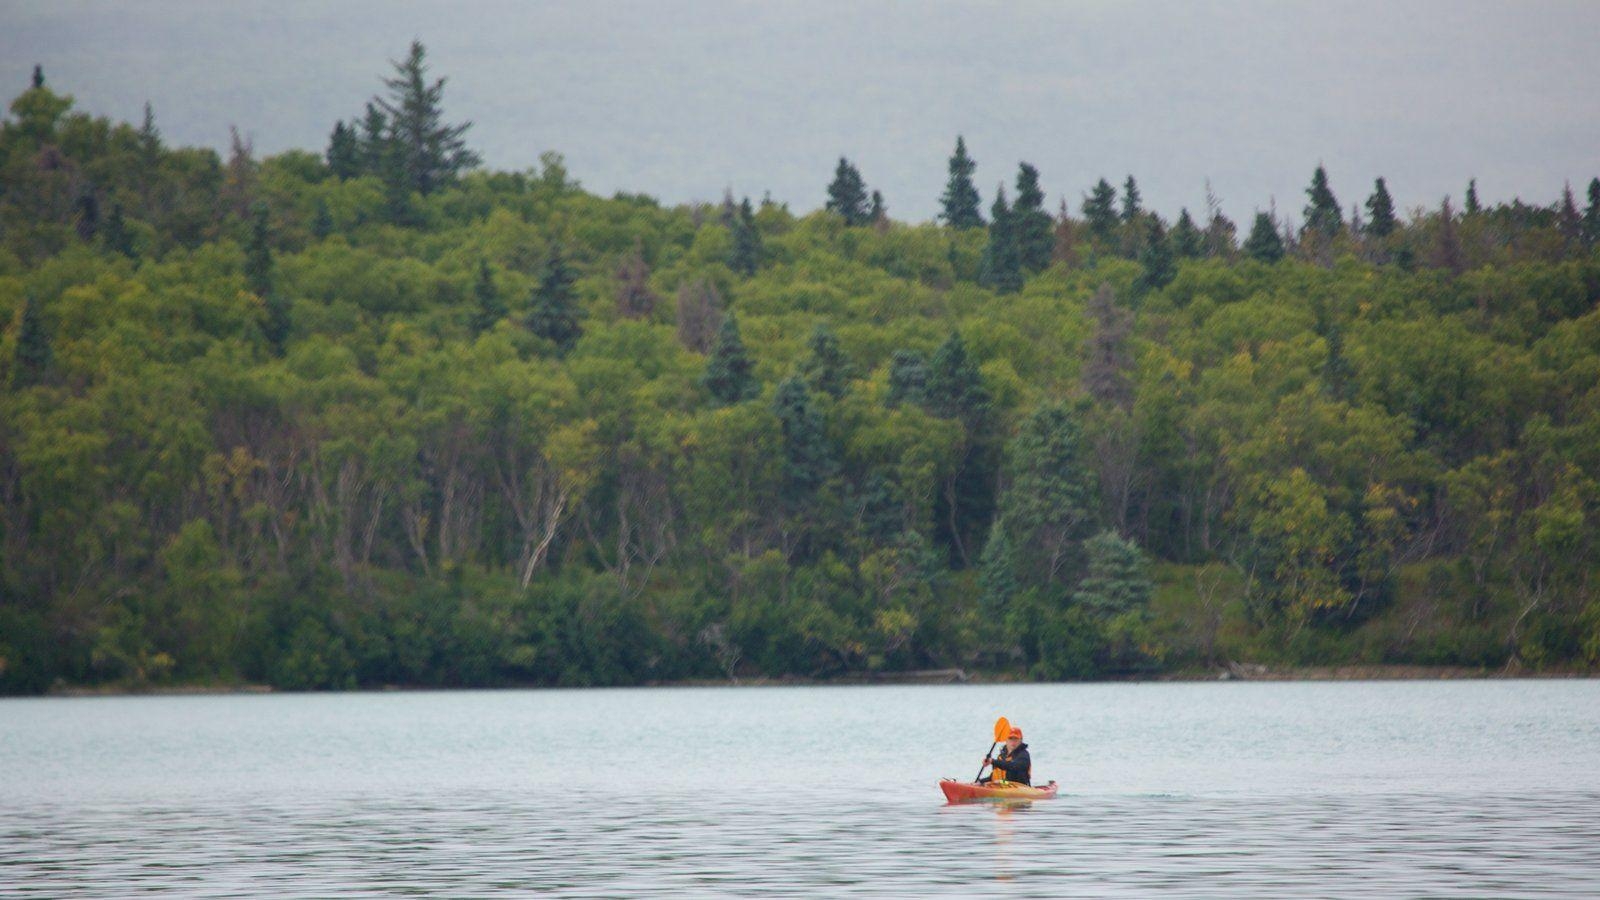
[[38, 76], [960, 202], [1591, 215], [878, 211], [149, 137], [1323, 214], [997, 572], [635, 299], [115, 235], [908, 378], [826, 370], [373, 144], [490, 308], [322, 220], [1000, 269], [1118, 579], [554, 313], [1219, 236], [1263, 243], [1568, 221], [808, 459], [431, 153], [1064, 239], [729, 374], [1156, 258], [847, 195], [276, 328], [258, 253], [745, 257], [1187, 241], [954, 387], [344, 152], [1100, 210], [1049, 500], [33, 353], [1446, 253], [86, 215], [1031, 226], [1472, 197], [1380, 211], [1130, 200]]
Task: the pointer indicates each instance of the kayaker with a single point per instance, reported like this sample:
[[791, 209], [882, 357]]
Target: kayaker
[[1013, 764]]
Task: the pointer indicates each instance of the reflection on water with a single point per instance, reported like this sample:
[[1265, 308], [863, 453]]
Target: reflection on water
[[1349, 791]]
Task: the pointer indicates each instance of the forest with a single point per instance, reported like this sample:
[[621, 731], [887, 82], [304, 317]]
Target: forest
[[372, 414]]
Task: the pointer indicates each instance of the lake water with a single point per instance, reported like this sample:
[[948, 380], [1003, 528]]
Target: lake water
[[1437, 789]]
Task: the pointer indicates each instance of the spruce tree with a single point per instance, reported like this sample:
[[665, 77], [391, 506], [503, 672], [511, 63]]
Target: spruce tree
[[554, 314], [808, 459], [1264, 244], [826, 370], [115, 234], [1187, 241], [1323, 214], [431, 152], [847, 195], [1000, 269], [38, 76], [490, 308], [635, 299], [258, 253], [908, 378], [344, 152], [1156, 258], [276, 328], [1446, 253], [1380, 211], [86, 215], [1591, 215], [729, 375], [1568, 221], [1118, 580], [745, 255], [1472, 197], [322, 220], [374, 141], [33, 353], [1031, 227], [960, 202], [877, 210], [149, 137], [1130, 200], [1100, 210], [955, 388]]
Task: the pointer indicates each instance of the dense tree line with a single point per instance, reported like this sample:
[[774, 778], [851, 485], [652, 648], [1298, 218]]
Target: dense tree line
[[377, 416]]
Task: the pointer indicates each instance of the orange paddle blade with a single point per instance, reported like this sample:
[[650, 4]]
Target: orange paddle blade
[[1002, 727]]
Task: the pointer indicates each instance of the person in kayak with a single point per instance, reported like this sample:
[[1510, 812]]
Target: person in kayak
[[1013, 764]]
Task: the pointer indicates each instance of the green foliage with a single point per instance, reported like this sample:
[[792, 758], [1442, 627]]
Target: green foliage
[[729, 373], [1263, 244], [959, 205], [1380, 211], [847, 195], [554, 313], [422, 152], [303, 449], [1322, 208], [1001, 266], [1031, 228]]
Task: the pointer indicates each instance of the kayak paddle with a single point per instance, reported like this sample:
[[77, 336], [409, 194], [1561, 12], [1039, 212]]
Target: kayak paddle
[[1002, 727]]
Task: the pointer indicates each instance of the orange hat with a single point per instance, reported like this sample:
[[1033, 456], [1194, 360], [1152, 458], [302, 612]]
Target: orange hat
[[1016, 733]]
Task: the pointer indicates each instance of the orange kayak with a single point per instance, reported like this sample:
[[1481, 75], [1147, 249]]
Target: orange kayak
[[963, 791]]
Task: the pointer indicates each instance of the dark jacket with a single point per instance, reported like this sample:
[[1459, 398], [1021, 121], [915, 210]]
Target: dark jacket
[[1014, 767]]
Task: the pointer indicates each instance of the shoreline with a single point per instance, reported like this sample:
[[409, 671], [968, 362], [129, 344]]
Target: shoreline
[[1233, 672]]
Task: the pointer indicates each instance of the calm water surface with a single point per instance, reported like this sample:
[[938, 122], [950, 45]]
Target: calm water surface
[[1458, 789]]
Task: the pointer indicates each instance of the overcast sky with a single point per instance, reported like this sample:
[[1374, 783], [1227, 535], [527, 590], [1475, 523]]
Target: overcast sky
[[683, 100]]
